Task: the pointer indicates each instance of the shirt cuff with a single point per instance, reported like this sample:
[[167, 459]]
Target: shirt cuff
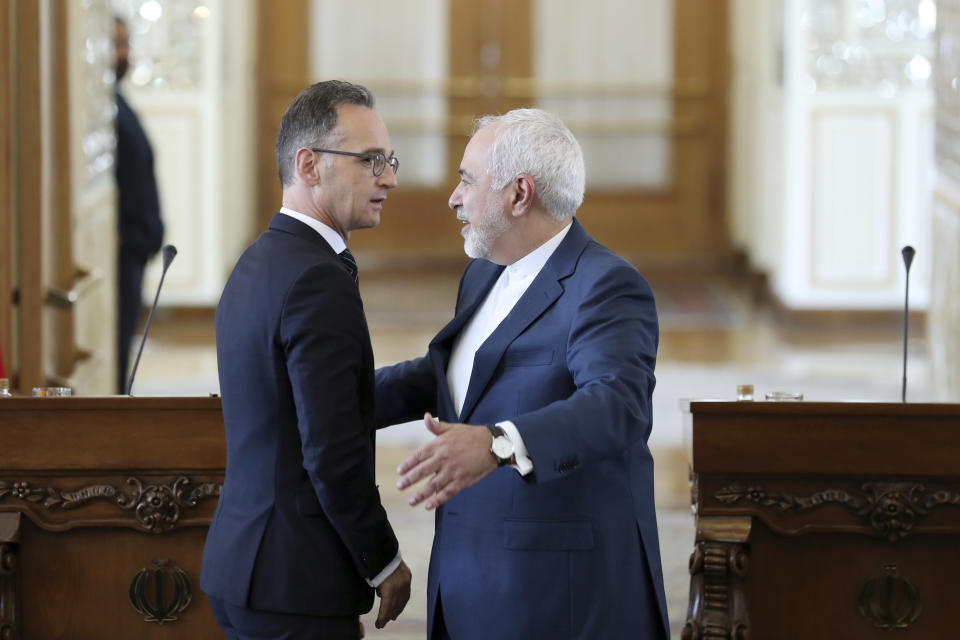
[[523, 462], [387, 570]]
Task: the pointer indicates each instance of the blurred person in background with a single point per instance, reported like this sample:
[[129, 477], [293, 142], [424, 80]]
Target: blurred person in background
[[139, 226]]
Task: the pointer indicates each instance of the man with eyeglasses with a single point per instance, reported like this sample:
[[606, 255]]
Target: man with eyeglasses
[[300, 540], [540, 473]]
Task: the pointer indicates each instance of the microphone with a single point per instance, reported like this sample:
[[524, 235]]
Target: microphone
[[907, 252], [169, 252]]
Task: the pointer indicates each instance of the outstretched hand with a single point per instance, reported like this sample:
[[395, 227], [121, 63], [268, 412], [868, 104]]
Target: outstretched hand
[[457, 458]]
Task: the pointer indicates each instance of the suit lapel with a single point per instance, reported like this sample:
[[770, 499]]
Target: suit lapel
[[442, 344], [535, 300], [543, 292]]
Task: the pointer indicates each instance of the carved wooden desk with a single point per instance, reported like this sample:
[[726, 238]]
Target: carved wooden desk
[[104, 506], [824, 520]]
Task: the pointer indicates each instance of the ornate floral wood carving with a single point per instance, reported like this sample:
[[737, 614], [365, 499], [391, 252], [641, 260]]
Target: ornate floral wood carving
[[156, 507], [890, 508], [8, 591], [717, 608]]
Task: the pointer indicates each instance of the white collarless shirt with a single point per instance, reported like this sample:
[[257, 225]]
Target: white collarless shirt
[[502, 297], [335, 240]]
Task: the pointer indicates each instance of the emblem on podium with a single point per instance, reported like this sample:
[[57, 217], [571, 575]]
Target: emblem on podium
[[890, 601], [161, 598]]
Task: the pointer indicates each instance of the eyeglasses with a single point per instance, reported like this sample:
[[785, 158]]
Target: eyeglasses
[[378, 161]]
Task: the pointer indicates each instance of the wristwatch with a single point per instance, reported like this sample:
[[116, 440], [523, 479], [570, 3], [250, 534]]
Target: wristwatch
[[501, 447]]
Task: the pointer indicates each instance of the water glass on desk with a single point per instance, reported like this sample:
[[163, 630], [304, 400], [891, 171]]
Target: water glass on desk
[[783, 396], [52, 392]]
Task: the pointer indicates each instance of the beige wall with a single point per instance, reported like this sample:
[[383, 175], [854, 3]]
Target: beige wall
[[831, 166], [57, 226], [943, 320]]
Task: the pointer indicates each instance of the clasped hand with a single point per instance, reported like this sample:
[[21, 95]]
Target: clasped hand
[[457, 458]]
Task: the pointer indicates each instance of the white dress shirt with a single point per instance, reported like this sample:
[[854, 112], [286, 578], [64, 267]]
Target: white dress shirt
[[335, 240], [506, 291]]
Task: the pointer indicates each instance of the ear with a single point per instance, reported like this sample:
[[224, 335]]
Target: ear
[[522, 195], [305, 166]]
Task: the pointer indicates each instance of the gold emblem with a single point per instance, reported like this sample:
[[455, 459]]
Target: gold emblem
[[890, 601], [154, 599]]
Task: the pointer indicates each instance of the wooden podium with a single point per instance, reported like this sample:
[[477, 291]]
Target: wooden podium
[[104, 505], [824, 520]]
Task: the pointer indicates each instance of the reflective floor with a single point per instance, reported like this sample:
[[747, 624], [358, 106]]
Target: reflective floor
[[714, 336]]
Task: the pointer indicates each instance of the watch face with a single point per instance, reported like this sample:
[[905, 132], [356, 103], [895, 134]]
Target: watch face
[[502, 448]]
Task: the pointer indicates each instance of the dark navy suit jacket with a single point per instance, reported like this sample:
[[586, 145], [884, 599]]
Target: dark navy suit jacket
[[570, 551], [299, 524], [138, 217]]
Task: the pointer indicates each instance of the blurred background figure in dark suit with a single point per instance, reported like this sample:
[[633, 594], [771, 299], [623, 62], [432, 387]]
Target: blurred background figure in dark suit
[[139, 227]]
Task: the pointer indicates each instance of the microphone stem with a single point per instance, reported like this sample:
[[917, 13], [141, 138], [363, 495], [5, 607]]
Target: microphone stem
[[906, 331], [146, 329]]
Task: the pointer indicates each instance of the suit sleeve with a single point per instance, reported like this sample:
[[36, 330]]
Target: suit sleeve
[[611, 353], [405, 391], [324, 336]]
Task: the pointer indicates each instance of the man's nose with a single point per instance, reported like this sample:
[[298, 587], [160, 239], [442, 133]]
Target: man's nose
[[454, 200], [388, 179]]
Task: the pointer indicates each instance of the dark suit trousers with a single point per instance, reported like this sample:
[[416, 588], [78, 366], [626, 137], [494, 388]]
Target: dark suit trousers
[[240, 623]]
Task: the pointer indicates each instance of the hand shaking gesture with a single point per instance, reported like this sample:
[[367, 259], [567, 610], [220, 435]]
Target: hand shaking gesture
[[457, 458]]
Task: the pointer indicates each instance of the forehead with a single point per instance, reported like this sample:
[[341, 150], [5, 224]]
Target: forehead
[[361, 127], [477, 150]]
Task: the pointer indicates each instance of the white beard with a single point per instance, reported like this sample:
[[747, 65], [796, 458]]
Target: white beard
[[485, 231]]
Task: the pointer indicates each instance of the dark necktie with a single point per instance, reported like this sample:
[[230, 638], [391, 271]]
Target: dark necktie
[[349, 262]]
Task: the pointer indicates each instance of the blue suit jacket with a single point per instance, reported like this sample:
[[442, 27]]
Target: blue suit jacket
[[570, 551], [299, 524]]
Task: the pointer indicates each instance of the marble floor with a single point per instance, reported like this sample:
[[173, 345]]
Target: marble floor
[[714, 336]]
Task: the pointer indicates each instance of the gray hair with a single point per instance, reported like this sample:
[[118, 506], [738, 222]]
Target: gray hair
[[310, 120], [537, 143]]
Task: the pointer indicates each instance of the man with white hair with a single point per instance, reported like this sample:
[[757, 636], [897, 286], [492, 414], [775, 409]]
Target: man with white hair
[[540, 472]]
